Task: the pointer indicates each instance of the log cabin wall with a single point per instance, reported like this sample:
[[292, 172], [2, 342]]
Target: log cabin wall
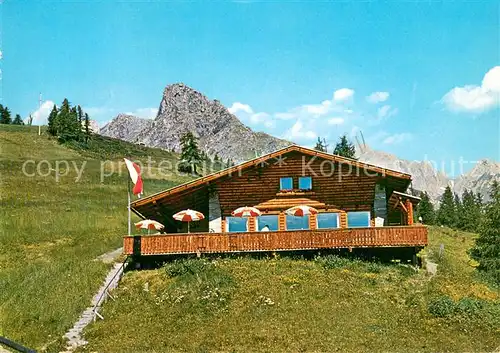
[[337, 186]]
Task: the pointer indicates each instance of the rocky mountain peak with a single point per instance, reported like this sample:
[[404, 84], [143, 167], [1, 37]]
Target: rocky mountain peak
[[183, 109]]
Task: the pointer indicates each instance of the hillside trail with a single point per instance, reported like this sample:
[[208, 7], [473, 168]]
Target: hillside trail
[[74, 335]]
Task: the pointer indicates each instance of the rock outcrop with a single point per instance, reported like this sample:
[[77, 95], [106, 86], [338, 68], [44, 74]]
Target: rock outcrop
[[183, 109]]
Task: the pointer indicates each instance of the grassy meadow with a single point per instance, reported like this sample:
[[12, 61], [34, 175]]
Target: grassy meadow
[[53, 227], [53, 230], [293, 304]]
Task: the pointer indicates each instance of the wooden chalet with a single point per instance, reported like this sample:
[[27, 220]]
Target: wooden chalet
[[360, 205]]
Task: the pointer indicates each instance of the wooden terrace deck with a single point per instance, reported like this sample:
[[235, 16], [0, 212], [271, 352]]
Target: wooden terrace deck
[[198, 243]]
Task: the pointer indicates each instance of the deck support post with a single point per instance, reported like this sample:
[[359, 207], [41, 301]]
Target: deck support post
[[409, 214]]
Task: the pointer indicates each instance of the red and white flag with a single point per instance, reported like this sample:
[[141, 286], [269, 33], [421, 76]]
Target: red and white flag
[[135, 175]]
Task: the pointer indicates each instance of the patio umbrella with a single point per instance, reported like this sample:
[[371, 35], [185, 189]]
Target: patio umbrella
[[246, 212], [301, 211], [188, 216], [149, 224]]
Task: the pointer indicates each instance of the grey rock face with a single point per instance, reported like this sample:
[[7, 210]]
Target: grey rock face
[[183, 109], [478, 179], [424, 176], [126, 127]]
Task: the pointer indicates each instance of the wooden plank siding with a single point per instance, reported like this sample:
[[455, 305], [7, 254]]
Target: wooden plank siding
[[334, 185], [409, 236]]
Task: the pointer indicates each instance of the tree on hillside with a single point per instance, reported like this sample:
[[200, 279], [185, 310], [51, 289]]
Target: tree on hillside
[[446, 214], [190, 154], [470, 216], [321, 145], [87, 128], [52, 121], [5, 116], [345, 148], [79, 113], [17, 120], [487, 248], [426, 209], [459, 211]]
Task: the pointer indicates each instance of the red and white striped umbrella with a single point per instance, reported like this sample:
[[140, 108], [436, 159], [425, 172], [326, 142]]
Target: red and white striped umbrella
[[301, 211], [246, 212], [188, 216], [149, 224]]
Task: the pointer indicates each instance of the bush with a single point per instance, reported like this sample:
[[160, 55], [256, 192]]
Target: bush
[[333, 261], [374, 267], [186, 266], [469, 306], [441, 306]]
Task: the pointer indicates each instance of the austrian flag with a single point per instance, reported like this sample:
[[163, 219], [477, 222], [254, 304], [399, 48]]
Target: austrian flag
[[135, 175]]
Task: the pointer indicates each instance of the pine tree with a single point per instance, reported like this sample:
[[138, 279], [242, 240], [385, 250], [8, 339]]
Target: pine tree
[[5, 117], [80, 115], [52, 122], [459, 212], [470, 216], [190, 154], [87, 128], [487, 248], [320, 145], [446, 214], [426, 209], [18, 120], [345, 148], [63, 121]]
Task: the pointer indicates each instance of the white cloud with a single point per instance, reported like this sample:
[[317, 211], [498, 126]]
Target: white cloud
[[284, 116], [41, 114], [146, 113], [297, 132], [397, 138], [378, 97], [474, 98], [343, 94], [336, 121], [318, 109], [386, 111], [237, 107]]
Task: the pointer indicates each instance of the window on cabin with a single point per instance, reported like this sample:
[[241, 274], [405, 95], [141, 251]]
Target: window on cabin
[[358, 219], [237, 224], [286, 183], [305, 183], [327, 220], [271, 221], [297, 222]]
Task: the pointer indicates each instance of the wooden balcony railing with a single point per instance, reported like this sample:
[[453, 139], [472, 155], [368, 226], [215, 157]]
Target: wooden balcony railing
[[401, 236]]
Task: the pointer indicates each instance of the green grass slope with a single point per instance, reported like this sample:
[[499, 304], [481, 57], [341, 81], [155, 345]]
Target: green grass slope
[[243, 304], [52, 228]]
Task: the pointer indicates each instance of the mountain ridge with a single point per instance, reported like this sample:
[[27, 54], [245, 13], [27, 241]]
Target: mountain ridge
[[183, 109]]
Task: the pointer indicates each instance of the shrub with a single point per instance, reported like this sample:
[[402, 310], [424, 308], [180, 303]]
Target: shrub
[[333, 261], [186, 266], [374, 267], [441, 306], [469, 306]]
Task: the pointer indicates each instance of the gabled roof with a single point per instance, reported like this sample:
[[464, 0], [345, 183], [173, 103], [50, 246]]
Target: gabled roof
[[259, 160], [396, 197]]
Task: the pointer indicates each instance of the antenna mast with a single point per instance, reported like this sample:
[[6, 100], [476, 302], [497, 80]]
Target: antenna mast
[[39, 107]]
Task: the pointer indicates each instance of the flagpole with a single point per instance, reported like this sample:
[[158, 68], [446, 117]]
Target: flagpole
[[129, 217]]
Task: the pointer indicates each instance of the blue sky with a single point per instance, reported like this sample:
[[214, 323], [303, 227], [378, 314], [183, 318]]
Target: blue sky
[[419, 79]]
